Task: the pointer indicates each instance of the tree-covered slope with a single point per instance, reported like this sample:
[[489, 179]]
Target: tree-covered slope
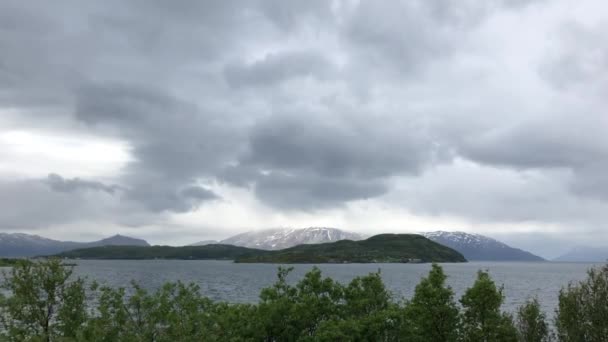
[[378, 248], [216, 252]]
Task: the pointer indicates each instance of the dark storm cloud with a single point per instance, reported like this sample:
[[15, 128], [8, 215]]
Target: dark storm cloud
[[302, 191], [310, 161], [58, 183], [339, 146], [167, 196], [174, 142]]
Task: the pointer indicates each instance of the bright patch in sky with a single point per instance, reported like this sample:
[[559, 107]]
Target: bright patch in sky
[[37, 153]]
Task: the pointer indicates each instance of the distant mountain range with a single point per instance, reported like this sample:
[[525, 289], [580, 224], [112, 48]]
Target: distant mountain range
[[472, 246], [393, 248], [585, 254], [480, 248], [26, 245], [280, 238]]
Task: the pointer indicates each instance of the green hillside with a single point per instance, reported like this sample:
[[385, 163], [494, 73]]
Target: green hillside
[[379, 248], [213, 252], [10, 262]]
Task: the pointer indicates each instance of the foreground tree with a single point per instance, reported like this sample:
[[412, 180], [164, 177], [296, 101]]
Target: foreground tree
[[531, 322], [175, 312], [582, 313], [432, 314], [482, 319], [366, 313], [296, 312], [42, 303]]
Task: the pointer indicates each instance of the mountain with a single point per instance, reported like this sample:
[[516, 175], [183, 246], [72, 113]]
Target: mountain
[[26, 245], [280, 238], [204, 243], [479, 247], [381, 248], [118, 240], [585, 253]]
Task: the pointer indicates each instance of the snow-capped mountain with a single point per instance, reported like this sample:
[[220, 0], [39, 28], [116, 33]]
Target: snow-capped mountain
[[585, 254], [480, 247], [280, 238], [26, 245]]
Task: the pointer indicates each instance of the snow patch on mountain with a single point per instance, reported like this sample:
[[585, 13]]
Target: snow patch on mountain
[[279, 238]]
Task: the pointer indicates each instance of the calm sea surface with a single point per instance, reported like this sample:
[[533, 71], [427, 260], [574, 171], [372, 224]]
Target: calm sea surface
[[227, 281]]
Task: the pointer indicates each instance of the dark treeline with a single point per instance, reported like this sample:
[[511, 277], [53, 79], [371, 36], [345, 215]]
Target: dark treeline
[[42, 302]]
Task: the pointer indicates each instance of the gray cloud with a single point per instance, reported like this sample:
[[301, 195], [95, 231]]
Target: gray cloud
[[578, 57], [567, 141], [275, 68]]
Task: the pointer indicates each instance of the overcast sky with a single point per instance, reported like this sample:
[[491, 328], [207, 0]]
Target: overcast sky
[[178, 121]]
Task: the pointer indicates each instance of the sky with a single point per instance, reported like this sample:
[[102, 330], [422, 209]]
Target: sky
[[179, 121]]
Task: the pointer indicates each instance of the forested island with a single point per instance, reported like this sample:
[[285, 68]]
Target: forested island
[[401, 248], [207, 252], [383, 248]]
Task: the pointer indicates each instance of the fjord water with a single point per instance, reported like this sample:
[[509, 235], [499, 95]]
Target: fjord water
[[227, 281]]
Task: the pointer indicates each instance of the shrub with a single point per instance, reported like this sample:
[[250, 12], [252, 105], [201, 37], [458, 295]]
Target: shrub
[[582, 313], [44, 305], [531, 322]]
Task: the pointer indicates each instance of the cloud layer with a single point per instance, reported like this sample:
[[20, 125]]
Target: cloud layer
[[489, 113]]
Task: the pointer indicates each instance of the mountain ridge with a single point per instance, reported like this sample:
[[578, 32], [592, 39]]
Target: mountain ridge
[[29, 245], [477, 247], [584, 254]]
